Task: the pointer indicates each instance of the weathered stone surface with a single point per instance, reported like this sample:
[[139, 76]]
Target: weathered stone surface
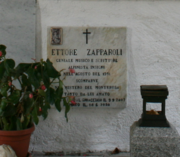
[[154, 141]]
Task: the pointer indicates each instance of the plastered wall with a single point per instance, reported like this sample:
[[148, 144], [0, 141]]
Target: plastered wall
[[153, 48], [17, 28]]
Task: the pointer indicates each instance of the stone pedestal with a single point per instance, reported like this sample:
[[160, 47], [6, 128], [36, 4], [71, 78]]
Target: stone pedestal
[[154, 141]]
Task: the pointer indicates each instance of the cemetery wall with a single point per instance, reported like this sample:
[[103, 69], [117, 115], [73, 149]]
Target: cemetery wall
[[153, 46], [17, 28]]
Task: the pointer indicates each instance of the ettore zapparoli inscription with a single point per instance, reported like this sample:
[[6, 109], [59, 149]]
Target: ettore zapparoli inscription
[[98, 56]]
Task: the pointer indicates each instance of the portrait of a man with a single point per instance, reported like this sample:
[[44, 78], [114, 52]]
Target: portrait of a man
[[56, 36]]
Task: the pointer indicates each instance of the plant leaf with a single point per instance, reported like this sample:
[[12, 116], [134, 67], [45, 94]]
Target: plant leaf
[[3, 103], [41, 92], [21, 68], [35, 115], [4, 89], [3, 49], [58, 97], [27, 103], [52, 72], [2, 69], [15, 96], [5, 123], [9, 65], [24, 80], [58, 105], [50, 96], [45, 110], [33, 77], [18, 124], [46, 78], [9, 110], [12, 120], [59, 93], [26, 121], [67, 107]]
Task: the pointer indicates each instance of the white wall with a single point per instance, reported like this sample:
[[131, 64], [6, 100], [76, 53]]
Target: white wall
[[153, 49], [17, 28]]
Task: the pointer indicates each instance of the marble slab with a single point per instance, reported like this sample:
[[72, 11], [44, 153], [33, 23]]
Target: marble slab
[[94, 63]]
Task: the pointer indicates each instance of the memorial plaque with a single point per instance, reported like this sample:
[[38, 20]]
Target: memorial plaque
[[94, 63]]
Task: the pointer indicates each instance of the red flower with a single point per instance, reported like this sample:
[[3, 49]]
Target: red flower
[[9, 83], [30, 95], [72, 71], [43, 87], [40, 109], [1, 53], [73, 102], [35, 67]]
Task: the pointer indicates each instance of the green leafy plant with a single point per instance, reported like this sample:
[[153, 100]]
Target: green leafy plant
[[26, 92]]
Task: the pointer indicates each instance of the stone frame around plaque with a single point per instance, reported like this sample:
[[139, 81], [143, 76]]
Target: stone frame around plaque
[[56, 36]]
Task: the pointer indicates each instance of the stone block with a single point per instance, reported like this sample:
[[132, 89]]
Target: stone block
[[154, 141]]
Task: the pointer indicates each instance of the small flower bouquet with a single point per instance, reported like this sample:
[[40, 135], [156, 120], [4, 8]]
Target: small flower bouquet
[[26, 92]]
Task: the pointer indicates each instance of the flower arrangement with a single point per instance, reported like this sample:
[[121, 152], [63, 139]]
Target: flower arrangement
[[26, 92]]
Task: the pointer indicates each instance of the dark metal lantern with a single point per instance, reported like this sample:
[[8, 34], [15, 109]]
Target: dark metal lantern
[[154, 94]]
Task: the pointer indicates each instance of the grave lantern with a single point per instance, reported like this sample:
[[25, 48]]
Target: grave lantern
[[154, 94]]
